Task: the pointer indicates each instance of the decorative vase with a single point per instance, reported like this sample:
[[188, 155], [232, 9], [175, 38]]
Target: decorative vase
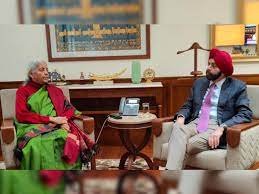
[[135, 72]]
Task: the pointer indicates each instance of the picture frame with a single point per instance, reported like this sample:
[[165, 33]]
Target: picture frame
[[247, 11], [87, 11], [243, 47], [88, 42]]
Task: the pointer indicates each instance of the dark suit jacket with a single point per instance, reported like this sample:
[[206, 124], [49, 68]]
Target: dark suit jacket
[[233, 104]]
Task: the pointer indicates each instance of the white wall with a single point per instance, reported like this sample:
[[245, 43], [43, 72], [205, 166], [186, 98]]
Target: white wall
[[169, 11], [197, 11], [22, 43], [8, 12]]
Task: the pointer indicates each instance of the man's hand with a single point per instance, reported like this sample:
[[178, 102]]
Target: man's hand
[[58, 120], [180, 120], [65, 126], [214, 137]]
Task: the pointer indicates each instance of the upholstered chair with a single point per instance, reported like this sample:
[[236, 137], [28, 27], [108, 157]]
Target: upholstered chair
[[8, 132], [211, 182], [242, 150]]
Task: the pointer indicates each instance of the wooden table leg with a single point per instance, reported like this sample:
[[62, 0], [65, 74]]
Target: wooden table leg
[[130, 161], [148, 160], [123, 160], [133, 151], [145, 140]]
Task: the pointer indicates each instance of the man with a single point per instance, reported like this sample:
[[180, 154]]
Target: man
[[217, 101], [47, 137]]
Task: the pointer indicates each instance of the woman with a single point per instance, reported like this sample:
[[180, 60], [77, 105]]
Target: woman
[[46, 134]]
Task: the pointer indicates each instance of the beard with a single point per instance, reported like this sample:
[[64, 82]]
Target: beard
[[212, 77]]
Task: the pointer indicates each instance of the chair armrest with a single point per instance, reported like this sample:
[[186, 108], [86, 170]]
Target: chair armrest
[[234, 132], [88, 123], [8, 131], [157, 125]]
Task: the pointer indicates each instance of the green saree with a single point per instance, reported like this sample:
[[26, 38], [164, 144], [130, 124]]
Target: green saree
[[45, 150], [25, 182]]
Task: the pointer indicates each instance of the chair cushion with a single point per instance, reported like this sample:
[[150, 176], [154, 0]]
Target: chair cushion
[[65, 91], [212, 159], [171, 175], [228, 181], [234, 181], [253, 93], [164, 151], [8, 103]]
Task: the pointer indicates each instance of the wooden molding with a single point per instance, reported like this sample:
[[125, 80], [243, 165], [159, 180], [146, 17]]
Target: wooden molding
[[240, 13], [8, 131], [212, 35], [255, 166], [234, 132], [157, 162], [154, 11], [20, 12]]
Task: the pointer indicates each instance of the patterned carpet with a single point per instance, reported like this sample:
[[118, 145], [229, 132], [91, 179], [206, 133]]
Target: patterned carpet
[[113, 164], [110, 164], [2, 166]]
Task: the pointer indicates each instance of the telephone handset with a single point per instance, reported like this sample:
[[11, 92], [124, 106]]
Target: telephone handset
[[129, 106]]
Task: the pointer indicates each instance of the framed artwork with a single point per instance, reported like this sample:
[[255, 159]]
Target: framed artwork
[[81, 42], [240, 40], [248, 11], [87, 11]]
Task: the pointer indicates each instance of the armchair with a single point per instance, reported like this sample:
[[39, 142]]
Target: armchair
[[8, 132], [211, 182], [242, 143]]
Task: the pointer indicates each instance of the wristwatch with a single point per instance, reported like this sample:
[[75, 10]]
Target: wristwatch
[[225, 127], [180, 116]]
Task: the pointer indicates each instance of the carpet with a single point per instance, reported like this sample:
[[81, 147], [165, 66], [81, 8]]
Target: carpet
[[111, 164], [2, 166]]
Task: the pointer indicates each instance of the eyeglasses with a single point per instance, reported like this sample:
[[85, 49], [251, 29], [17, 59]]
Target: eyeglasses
[[213, 65]]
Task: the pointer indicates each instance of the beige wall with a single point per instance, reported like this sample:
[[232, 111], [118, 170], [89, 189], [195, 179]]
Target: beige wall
[[22, 43], [197, 11], [8, 12]]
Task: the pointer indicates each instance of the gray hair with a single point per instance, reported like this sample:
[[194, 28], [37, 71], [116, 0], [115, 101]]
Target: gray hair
[[32, 66]]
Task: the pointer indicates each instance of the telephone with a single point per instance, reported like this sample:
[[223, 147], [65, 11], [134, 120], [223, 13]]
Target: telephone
[[129, 106]]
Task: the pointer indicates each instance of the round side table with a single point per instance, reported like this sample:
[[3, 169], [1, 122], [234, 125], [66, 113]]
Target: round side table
[[141, 122]]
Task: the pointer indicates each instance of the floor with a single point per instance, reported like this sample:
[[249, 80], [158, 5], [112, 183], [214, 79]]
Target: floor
[[112, 152]]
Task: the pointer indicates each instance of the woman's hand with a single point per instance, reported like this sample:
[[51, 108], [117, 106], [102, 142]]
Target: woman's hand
[[58, 120], [65, 126]]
